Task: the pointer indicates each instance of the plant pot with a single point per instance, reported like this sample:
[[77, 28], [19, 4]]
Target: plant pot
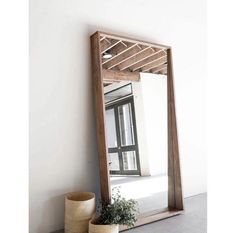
[[79, 209], [94, 228]]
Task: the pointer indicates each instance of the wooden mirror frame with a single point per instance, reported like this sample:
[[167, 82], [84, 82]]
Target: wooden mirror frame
[[175, 198]]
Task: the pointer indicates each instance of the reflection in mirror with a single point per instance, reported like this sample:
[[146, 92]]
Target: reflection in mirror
[[136, 130]]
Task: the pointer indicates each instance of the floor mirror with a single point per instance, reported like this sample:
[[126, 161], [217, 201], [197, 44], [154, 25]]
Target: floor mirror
[[136, 124]]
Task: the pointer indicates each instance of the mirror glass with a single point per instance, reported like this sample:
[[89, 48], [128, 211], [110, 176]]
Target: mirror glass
[[136, 133]]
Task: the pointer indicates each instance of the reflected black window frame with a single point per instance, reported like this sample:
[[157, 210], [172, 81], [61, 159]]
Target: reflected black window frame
[[118, 88]]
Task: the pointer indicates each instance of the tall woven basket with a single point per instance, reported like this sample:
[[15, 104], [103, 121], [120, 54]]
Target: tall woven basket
[[79, 209]]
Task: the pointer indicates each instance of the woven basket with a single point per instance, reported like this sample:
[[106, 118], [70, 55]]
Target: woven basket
[[79, 209], [93, 228]]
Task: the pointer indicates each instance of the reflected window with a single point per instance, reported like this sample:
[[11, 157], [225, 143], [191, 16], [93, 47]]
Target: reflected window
[[122, 138], [129, 160], [118, 93], [111, 128], [114, 161], [126, 125]]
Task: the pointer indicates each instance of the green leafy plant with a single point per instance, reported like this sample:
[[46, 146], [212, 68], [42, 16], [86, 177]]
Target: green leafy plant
[[119, 211]]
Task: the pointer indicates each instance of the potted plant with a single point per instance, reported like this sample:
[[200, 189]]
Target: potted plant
[[110, 215]]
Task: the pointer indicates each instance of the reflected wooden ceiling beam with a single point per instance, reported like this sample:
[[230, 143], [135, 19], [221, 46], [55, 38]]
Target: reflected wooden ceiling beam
[[125, 56], [163, 71], [118, 50], [102, 38], [108, 82], [158, 69], [108, 44], [138, 58], [122, 42], [155, 64], [146, 61], [127, 39], [129, 56], [114, 76], [104, 44]]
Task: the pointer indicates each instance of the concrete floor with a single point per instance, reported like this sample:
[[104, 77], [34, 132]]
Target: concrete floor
[[193, 220]]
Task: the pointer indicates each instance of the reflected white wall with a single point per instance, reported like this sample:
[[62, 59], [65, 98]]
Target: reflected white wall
[[150, 95]]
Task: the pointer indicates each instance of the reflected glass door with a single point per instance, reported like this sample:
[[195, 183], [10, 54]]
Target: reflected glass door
[[122, 138]]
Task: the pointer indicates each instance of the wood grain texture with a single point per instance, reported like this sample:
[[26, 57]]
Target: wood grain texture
[[155, 64], [113, 75], [118, 50], [129, 53], [108, 44], [156, 57], [152, 218], [137, 58], [100, 116], [159, 68], [175, 198]]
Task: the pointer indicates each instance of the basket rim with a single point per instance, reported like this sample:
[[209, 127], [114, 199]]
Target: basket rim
[[80, 196]]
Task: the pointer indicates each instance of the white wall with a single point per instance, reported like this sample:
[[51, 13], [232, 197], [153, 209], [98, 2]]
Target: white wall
[[154, 94], [63, 150], [141, 127], [150, 101]]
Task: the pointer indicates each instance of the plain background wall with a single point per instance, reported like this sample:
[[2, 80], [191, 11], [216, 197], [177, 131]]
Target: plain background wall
[[154, 94], [63, 150]]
